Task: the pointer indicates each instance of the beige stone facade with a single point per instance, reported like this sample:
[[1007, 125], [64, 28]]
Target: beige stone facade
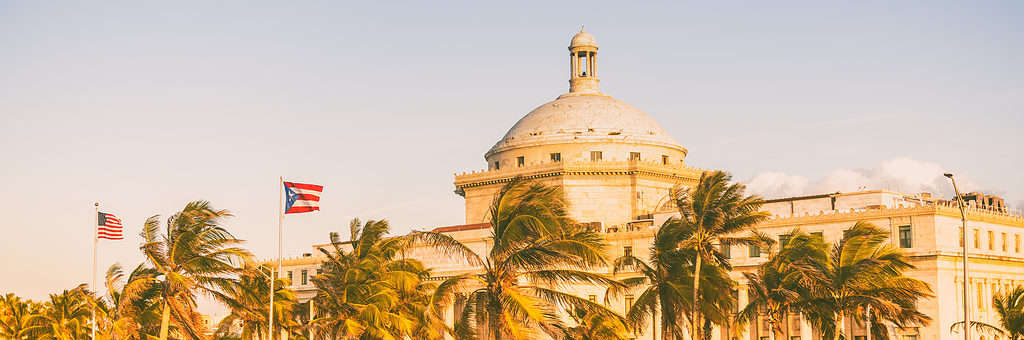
[[616, 166]]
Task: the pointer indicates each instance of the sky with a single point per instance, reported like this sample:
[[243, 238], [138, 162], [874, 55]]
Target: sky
[[144, 106]]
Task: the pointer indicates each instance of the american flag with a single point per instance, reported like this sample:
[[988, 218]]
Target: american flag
[[301, 198], [109, 227]]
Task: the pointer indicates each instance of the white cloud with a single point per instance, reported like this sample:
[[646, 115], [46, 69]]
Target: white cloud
[[900, 174]]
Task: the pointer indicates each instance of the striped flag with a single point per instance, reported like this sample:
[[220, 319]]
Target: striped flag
[[109, 227], [301, 198]]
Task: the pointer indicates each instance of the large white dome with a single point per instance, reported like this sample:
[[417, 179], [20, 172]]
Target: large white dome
[[585, 119]]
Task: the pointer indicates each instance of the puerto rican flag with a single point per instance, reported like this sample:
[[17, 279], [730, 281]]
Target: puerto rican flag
[[301, 198]]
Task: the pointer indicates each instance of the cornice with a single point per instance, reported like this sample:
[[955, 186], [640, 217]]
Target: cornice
[[567, 169]]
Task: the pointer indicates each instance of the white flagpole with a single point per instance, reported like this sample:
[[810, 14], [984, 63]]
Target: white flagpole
[[273, 274], [95, 240]]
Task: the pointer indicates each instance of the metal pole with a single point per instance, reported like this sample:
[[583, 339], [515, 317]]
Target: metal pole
[[280, 220], [95, 240], [963, 235]]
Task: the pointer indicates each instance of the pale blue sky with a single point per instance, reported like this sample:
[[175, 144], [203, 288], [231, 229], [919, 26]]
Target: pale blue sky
[[144, 106]]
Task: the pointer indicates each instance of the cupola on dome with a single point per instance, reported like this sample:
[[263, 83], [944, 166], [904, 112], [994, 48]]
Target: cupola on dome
[[585, 120]]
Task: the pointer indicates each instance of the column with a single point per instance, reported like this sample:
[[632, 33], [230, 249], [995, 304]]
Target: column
[[742, 303], [805, 329]]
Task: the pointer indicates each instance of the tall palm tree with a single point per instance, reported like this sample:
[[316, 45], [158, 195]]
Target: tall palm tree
[[784, 283], [667, 281], [248, 298], [864, 270], [537, 250], [195, 255], [65, 317], [131, 310], [711, 214], [17, 318], [368, 290], [1010, 307]]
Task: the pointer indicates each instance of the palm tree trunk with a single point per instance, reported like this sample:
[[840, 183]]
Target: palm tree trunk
[[771, 330], [165, 320], [654, 325], [840, 324], [694, 333]]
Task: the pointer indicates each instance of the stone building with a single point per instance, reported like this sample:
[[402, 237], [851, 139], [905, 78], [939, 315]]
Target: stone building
[[616, 166]]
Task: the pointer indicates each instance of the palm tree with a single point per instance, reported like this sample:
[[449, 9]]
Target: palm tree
[[594, 326], [1010, 307], [783, 284], [667, 281], [132, 311], [368, 289], [710, 214], [194, 255], [248, 298], [537, 250], [17, 317], [65, 317], [862, 271]]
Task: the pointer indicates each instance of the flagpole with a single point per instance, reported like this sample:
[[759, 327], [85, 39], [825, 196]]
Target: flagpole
[[95, 240], [273, 274]]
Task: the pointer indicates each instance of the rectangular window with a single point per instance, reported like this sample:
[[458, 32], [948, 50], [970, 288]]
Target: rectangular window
[[591, 298], [727, 251], [627, 251], [755, 251], [1004, 241], [860, 337], [289, 279], [819, 235], [1016, 243], [981, 298], [664, 159], [318, 272], [961, 236], [634, 156], [497, 165], [595, 156], [556, 157], [520, 161], [977, 239], [305, 277], [784, 239], [991, 241], [905, 237]]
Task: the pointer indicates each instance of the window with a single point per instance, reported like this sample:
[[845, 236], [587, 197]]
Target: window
[[860, 337], [980, 293], [629, 302], [1016, 243], [520, 161], [784, 239], [977, 239], [305, 277], [727, 251], [1004, 241], [664, 159], [595, 156], [497, 165], [556, 157], [991, 241], [755, 251], [319, 271], [819, 235], [736, 300], [592, 298], [961, 235], [910, 337], [905, 237], [289, 277], [627, 251], [634, 156]]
